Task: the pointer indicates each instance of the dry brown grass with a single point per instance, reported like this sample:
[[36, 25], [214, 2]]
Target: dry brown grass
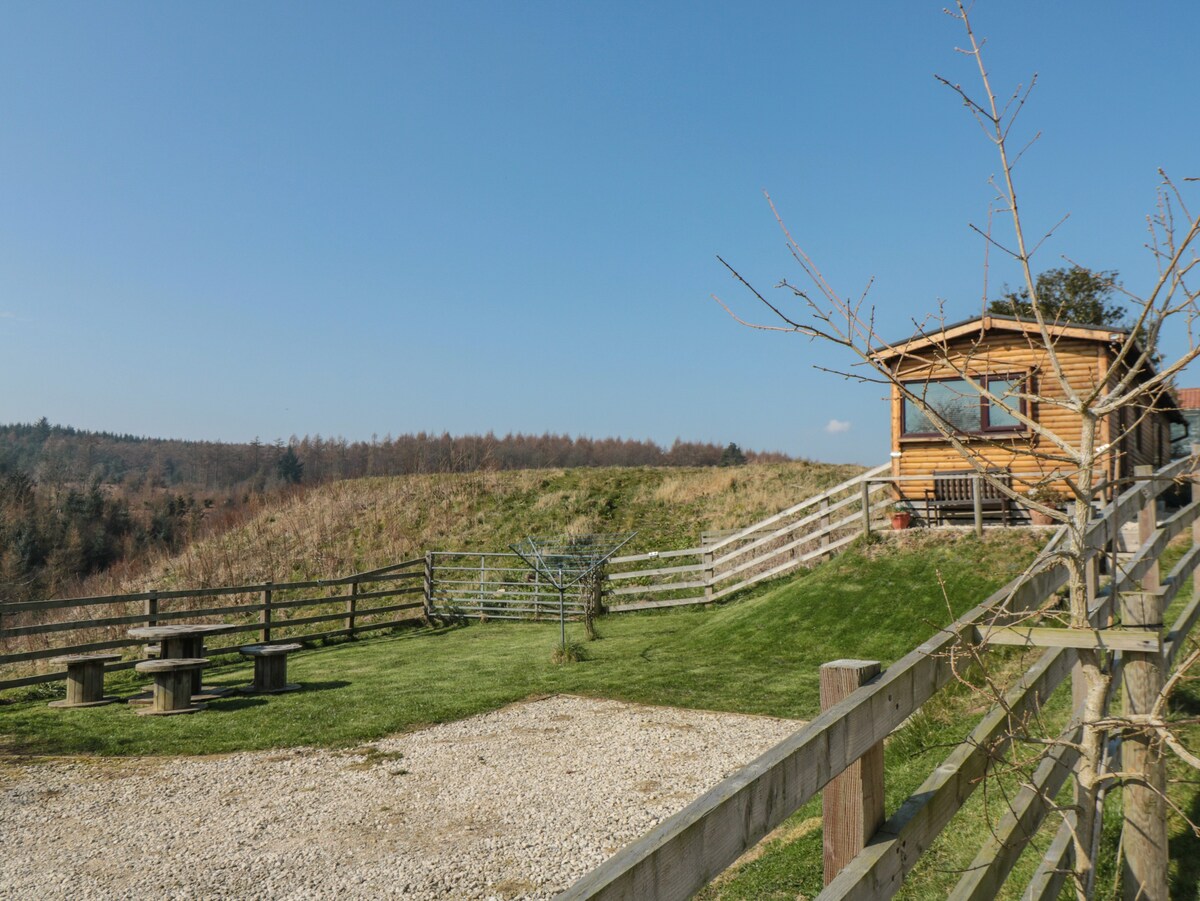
[[361, 524]]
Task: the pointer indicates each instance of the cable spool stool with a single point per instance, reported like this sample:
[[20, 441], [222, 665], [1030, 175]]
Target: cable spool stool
[[172, 685], [270, 668], [85, 679]]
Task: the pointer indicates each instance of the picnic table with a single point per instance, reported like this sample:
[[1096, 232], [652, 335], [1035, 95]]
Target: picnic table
[[183, 641], [85, 679]]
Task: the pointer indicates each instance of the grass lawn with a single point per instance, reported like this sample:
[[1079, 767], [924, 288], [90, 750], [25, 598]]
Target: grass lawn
[[759, 655]]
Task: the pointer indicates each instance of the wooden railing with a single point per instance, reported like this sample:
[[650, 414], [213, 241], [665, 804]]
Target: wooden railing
[[502, 586], [687, 851], [800, 536], [365, 601]]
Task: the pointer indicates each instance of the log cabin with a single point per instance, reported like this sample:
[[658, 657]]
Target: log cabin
[[1008, 355]]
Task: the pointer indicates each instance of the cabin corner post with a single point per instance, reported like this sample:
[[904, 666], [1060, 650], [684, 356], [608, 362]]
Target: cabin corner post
[[852, 802], [1144, 833]]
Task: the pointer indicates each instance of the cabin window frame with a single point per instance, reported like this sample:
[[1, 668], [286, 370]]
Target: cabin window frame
[[985, 427]]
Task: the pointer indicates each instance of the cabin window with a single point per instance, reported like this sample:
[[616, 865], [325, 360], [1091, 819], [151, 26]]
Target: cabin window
[[963, 407]]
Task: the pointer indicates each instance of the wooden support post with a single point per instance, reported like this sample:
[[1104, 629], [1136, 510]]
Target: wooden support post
[[823, 523], [866, 508], [853, 801], [265, 617], [152, 608], [1147, 523], [352, 608], [428, 585], [707, 560], [977, 502], [1144, 835]]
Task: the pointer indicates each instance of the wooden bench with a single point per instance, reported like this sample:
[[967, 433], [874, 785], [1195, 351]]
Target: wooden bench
[[172, 685], [952, 495], [85, 679], [270, 668]]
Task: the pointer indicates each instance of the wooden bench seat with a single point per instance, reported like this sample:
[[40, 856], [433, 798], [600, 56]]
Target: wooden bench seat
[[270, 668], [85, 679], [172, 685], [952, 496]]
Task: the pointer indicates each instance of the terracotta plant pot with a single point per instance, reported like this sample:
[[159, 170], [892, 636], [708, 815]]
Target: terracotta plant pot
[[1039, 518], [901, 521]]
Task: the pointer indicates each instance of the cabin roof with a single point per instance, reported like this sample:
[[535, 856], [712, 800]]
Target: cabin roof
[[1101, 334], [1105, 334]]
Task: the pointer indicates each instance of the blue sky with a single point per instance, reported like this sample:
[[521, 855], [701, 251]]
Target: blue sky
[[230, 220]]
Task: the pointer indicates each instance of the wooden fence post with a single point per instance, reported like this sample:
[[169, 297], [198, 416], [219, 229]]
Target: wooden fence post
[[352, 608], [866, 507], [152, 608], [707, 562], [823, 523], [1144, 835], [428, 585], [853, 801], [265, 617], [977, 502]]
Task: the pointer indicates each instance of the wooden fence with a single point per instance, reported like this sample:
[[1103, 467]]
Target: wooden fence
[[504, 586], [800, 536], [687, 851], [494, 586], [376, 599]]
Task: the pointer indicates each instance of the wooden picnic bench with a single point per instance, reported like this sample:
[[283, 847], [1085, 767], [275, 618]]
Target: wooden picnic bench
[[953, 495], [172, 685], [85, 679], [270, 668]]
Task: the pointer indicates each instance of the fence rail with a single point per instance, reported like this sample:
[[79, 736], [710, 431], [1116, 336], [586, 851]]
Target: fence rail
[[687, 851], [731, 561]]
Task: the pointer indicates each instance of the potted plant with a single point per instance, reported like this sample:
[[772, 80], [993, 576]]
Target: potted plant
[[902, 514], [1047, 496]]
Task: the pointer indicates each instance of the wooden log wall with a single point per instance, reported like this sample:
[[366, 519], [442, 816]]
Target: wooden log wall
[[1084, 364]]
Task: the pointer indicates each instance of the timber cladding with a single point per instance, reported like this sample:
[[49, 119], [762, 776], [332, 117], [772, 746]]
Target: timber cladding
[[1006, 351]]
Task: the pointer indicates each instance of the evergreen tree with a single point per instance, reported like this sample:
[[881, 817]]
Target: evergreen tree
[[1067, 295], [290, 467], [732, 456]]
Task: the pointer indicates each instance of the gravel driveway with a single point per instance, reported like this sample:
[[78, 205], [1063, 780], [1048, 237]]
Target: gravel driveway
[[517, 803]]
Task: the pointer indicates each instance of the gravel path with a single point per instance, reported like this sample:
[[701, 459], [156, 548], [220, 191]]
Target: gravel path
[[517, 803]]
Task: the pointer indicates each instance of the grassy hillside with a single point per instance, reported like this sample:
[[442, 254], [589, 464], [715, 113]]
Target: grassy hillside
[[365, 523]]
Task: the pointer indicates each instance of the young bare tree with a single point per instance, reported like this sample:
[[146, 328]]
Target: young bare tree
[[1076, 461]]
